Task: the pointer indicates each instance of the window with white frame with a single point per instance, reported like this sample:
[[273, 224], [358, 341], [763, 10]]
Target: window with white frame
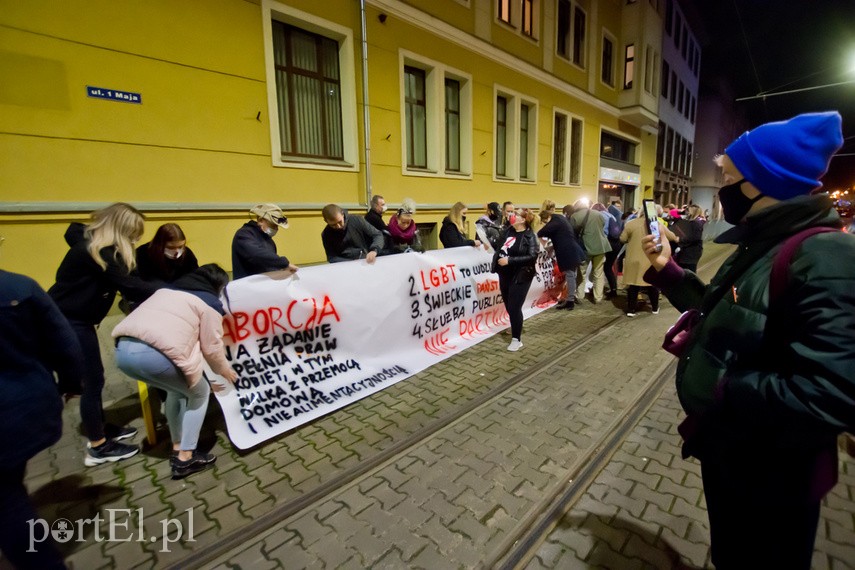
[[607, 74], [523, 15], [415, 116], [452, 125], [579, 27], [570, 37], [311, 86], [527, 17], [649, 67], [516, 136], [566, 149], [628, 66], [436, 118]]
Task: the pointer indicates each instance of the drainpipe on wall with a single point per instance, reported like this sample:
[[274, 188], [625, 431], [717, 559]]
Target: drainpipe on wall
[[365, 115]]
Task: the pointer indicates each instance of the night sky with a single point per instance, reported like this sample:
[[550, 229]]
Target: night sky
[[766, 45]]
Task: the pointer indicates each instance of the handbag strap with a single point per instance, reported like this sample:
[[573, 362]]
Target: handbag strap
[[780, 277]]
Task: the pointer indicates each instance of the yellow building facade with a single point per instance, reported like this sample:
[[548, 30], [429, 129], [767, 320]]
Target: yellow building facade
[[195, 111]]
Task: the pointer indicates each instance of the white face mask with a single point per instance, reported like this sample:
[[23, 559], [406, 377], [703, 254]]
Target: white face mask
[[271, 231], [384, 208], [173, 253]]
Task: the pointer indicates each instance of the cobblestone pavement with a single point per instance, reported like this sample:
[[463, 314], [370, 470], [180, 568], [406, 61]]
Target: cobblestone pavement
[[447, 501], [646, 509]]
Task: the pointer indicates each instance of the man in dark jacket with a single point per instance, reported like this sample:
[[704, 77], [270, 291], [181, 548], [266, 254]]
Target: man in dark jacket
[[349, 237], [374, 216], [767, 381], [35, 341], [253, 248]]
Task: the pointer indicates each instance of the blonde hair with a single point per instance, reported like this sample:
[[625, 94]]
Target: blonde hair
[[118, 225], [456, 216], [694, 212], [548, 206], [408, 206]]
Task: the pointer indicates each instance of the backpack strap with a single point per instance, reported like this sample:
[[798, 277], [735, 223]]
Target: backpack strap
[[780, 277]]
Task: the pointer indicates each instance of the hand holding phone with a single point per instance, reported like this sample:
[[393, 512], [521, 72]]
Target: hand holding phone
[[652, 222]]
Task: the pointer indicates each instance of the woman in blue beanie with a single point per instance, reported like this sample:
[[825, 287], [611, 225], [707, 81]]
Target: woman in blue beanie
[[765, 370]]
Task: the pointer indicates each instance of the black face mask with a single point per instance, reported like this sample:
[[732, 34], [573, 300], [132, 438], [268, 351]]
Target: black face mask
[[734, 203]]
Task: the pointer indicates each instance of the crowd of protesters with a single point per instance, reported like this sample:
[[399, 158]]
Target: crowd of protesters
[[174, 309]]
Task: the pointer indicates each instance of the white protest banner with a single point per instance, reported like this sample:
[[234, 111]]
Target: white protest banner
[[333, 334]]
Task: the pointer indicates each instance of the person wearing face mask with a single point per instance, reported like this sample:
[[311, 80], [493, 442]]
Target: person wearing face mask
[[99, 263], [166, 257], [374, 216], [514, 261], [765, 372], [490, 225], [253, 248], [453, 231]]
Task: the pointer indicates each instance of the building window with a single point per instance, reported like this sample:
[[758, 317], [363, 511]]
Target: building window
[[617, 148], [452, 125], [666, 70], [566, 149], [669, 16], [673, 88], [524, 140], [505, 11], [527, 25], [691, 160], [416, 117], [436, 118], [694, 108], [629, 66], [559, 148], [607, 74], [309, 93], [516, 136], [579, 27], [563, 39], [501, 136], [660, 145], [681, 90], [669, 148], [649, 66]]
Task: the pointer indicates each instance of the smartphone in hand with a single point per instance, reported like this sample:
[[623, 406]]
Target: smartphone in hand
[[652, 221]]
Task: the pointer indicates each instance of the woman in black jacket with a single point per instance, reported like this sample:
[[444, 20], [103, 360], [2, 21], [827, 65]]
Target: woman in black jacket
[[515, 263], [166, 257], [691, 233], [452, 233], [100, 263], [568, 253]]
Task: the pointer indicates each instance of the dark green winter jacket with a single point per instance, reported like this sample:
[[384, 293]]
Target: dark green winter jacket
[[791, 384]]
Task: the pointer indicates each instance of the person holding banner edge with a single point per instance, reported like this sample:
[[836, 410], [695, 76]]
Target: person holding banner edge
[[253, 248], [347, 238], [164, 342], [515, 262]]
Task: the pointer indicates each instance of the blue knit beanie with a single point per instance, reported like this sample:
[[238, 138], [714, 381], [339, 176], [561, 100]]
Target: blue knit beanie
[[786, 159]]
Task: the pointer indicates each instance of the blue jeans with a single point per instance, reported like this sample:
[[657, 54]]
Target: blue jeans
[[185, 406]]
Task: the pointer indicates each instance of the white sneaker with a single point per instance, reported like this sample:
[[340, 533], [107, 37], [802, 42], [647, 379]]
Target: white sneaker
[[630, 314], [515, 345], [656, 312]]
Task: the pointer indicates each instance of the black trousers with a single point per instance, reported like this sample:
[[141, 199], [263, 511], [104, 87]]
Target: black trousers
[[632, 297], [91, 406], [513, 295], [760, 517], [15, 511], [608, 267]]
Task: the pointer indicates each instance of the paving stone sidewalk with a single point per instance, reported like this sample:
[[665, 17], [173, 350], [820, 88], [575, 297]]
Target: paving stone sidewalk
[[646, 509]]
